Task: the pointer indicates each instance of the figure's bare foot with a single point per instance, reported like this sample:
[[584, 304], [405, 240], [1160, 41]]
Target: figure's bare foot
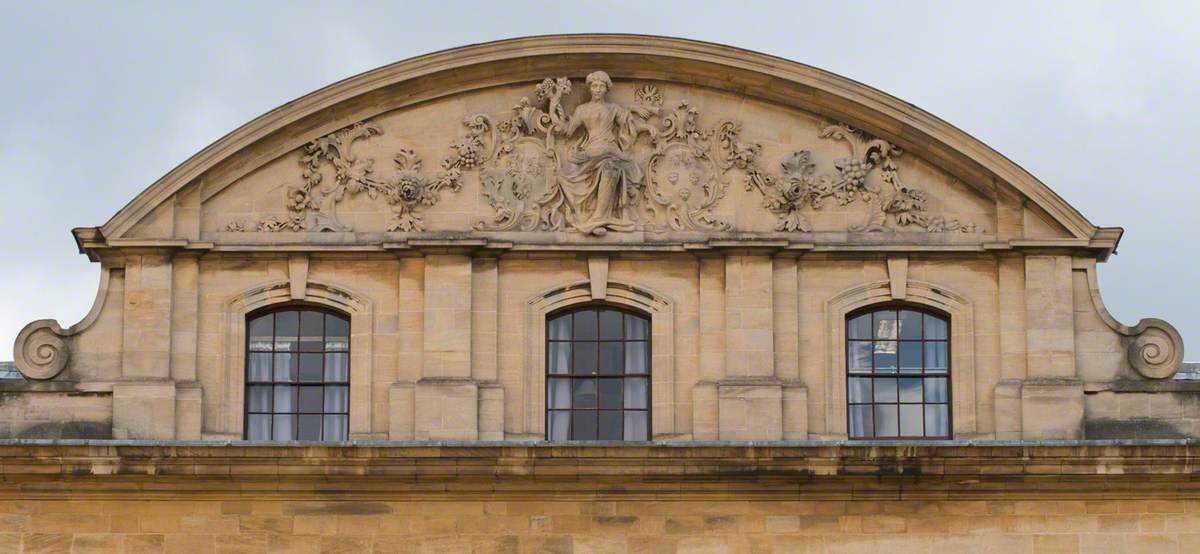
[[599, 231]]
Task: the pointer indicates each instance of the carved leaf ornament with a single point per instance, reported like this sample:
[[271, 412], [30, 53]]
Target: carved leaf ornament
[[603, 167]]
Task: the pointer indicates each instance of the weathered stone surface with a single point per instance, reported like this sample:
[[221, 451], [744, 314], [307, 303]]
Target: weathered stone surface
[[744, 204]]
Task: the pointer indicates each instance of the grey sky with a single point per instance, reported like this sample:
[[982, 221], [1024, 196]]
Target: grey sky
[[1097, 100]]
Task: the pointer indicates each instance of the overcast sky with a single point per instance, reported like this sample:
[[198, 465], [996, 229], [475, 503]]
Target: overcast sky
[[1099, 101]]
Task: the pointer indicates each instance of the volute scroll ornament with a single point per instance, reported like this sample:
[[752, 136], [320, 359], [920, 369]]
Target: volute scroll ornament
[[40, 351], [1156, 349]]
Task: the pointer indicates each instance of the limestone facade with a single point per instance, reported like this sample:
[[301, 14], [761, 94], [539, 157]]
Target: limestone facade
[[746, 206]]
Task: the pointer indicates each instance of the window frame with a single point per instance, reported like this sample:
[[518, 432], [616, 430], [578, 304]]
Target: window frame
[[570, 377], [873, 375], [246, 368]]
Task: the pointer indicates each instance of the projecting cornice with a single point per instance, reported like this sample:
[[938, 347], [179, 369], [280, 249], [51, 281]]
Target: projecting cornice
[[803, 470]]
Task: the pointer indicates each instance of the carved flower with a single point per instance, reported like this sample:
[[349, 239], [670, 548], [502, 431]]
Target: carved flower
[[794, 191], [406, 187], [298, 199]]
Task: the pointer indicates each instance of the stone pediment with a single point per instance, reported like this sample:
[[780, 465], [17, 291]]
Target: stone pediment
[[600, 140]]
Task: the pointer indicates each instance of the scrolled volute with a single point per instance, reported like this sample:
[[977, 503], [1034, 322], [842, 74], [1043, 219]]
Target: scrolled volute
[[1156, 351], [40, 351]]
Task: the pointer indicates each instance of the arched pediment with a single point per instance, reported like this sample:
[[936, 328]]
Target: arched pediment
[[688, 143]]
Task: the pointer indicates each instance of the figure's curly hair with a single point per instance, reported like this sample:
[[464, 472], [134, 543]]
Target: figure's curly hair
[[599, 76]]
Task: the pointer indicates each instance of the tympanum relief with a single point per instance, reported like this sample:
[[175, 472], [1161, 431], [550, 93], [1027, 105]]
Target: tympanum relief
[[600, 166]]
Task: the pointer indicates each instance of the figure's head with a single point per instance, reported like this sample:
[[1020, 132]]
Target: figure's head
[[599, 84]]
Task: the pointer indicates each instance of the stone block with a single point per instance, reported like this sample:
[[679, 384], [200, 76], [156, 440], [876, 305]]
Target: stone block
[[491, 412], [1008, 409], [401, 408], [144, 410], [750, 409], [446, 409], [704, 411], [1052, 409], [188, 411], [795, 411]]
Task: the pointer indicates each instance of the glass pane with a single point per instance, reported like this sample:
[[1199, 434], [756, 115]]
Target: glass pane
[[283, 428], [560, 393], [560, 357], [585, 358], [287, 325], [885, 325], [611, 358], [859, 327], [885, 357], [910, 357], [935, 327], [937, 420], [910, 420], [310, 428], [636, 393], [337, 399], [861, 421], [260, 366], [583, 426], [312, 331], [258, 399], [610, 394], [560, 426], [860, 389], [261, 332], [636, 327], [935, 357], [337, 333], [285, 367], [859, 356], [312, 400], [285, 399], [610, 325], [635, 358], [885, 390], [583, 393], [910, 325], [336, 427], [337, 367], [886, 421], [910, 390], [935, 390], [585, 325], [311, 367], [611, 425], [635, 426], [560, 328], [258, 428]]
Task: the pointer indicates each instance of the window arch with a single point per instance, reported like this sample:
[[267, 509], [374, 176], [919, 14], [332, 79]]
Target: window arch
[[898, 373], [297, 374], [597, 374]]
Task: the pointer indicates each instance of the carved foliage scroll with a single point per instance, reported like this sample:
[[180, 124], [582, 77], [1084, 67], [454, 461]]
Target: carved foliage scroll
[[312, 206], [890, 202]]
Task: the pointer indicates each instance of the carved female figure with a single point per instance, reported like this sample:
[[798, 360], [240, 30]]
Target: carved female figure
[[599, 181]]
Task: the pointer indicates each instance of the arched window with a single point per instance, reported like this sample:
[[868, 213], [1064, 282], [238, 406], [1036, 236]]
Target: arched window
[[297, 374], [597, 375], [898, 373]]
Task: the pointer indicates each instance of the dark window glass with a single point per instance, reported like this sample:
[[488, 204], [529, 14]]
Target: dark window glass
[[597, 375], [297, 375], [897, 374]]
